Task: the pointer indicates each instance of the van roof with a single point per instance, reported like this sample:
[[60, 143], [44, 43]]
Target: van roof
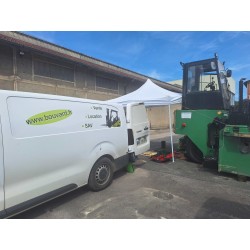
[[11, 93]]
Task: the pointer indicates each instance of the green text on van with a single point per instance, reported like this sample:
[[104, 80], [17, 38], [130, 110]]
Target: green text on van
[[49, 117]]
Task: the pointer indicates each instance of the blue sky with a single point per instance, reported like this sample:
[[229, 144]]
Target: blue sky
[[157, 54]]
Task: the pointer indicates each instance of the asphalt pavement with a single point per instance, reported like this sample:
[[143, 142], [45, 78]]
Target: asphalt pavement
[[170, 190]]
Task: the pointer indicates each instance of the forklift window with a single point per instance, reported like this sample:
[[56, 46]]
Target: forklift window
[[202, 77]]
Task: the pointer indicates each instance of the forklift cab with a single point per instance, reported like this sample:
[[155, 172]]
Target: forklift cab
[[205, 85], [205, 92]]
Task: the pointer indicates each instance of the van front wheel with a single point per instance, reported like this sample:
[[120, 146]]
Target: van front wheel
[[101, 174]]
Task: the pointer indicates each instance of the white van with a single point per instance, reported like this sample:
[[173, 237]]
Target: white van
[[50, 145]]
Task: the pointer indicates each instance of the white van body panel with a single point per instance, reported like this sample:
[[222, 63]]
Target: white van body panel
[[137, 120], [52, 141], [1, 172]]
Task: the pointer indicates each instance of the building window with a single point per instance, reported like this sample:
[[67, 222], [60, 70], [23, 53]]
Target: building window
[[46, 69], [6, 62], [106, 83]]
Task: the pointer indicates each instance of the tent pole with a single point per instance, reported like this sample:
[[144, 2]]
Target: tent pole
[[171, 136]]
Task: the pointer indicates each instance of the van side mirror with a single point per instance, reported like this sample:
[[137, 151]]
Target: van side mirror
[[229, 73]]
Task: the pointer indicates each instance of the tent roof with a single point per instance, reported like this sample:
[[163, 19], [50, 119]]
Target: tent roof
[[151, 94]]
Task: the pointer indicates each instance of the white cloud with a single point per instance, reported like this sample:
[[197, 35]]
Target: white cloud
[[134, 49], [182, 38], [211, 46], [238, 67], [48, 36], [154, 74], [160, 76], [226, 36]]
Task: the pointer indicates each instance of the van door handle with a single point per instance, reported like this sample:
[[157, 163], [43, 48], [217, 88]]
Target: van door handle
[[146, 128]]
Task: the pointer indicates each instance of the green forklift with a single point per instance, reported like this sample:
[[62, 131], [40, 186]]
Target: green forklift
[[214, 128]]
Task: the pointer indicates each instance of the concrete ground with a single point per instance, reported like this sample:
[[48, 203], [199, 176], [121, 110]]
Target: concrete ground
[[155, 190]]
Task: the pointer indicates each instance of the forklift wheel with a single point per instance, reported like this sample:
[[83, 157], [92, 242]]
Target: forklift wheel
[[192, 152]]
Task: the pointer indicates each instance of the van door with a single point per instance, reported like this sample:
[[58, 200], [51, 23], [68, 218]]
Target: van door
[[1, 176], [137, 121]]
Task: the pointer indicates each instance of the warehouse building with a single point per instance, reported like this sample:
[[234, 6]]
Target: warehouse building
[[33, 65]]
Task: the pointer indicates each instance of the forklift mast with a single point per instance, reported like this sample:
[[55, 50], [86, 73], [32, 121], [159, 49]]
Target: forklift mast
[[205, 85]]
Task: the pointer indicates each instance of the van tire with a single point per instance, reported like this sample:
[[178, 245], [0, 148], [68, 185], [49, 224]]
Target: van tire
[[101, 174]]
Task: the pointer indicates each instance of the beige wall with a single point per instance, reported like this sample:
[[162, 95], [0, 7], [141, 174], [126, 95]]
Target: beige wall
[[159, 116], [9, 83]]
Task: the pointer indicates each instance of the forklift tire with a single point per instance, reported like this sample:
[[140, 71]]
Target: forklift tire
[[192, 152]]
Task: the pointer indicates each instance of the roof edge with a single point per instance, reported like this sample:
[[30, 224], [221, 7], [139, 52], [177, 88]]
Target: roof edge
[[48, 47]]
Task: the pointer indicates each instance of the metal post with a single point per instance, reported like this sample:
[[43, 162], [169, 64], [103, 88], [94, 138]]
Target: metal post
[[171, 136]]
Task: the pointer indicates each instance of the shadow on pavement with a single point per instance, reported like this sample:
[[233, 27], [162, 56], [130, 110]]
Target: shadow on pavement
[[51, 205], [216, 208]]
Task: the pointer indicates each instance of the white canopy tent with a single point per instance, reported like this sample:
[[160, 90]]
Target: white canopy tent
[[152, 95]]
